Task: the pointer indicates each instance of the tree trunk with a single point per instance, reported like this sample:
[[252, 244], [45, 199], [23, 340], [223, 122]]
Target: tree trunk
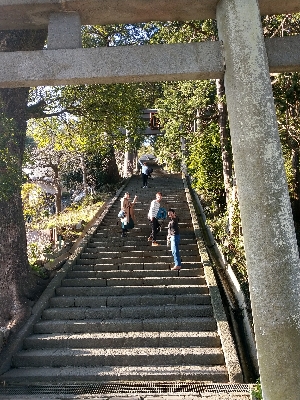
[[84, 175], [112, 171], [57, 184], [17, 283]]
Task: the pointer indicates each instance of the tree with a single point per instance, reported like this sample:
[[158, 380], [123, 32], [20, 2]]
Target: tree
[[50, 154], [18, 285]]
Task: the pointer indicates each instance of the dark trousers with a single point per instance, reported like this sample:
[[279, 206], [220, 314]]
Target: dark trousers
[[145, 179], [154, 229]]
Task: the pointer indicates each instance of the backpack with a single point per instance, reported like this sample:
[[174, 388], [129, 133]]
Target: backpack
[[149, 171], [162, 213]]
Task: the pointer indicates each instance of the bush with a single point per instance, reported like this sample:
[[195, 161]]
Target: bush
[[257, 392], [35, 252]]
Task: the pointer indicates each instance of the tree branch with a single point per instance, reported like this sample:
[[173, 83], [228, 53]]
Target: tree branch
[[37, 111]]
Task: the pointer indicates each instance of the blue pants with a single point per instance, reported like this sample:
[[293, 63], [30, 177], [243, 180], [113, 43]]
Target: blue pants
[[175, 249]]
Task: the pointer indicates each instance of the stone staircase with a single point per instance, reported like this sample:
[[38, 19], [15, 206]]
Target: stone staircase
[[121, 314]]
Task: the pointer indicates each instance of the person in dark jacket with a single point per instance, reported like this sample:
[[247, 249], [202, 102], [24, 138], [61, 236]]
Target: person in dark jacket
[[174, 238]]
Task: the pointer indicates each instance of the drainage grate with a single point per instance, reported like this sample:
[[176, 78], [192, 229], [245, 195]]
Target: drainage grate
[[137, 387]]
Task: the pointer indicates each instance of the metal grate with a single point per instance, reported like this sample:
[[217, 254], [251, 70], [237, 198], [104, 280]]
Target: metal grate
[[128, 387]]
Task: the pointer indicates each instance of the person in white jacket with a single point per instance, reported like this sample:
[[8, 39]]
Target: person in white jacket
[[152, 216]]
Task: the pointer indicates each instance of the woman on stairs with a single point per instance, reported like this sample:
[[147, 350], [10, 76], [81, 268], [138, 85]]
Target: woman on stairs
[[152, 216], [128, 207]]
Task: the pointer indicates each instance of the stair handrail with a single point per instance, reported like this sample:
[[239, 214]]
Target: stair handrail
[[232, 289]]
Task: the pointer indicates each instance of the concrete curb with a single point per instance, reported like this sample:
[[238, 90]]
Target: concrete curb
[[230, 353], [16, 344]]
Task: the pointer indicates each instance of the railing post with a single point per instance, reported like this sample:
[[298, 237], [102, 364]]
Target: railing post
[[269, 235]]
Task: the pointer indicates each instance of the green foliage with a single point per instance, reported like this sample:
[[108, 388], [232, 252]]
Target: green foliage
[[70, 150], [35, 252], [65, 223], [281, 25], [231, 243], [257, 392], [106, 108], [116, 35], [34, 201], [53, 147], [286, 89], [146, 148], [182, 31], [178, 108], [205, 162]]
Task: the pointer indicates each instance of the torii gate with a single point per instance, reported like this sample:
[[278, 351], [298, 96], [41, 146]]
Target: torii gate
[[244, 60]]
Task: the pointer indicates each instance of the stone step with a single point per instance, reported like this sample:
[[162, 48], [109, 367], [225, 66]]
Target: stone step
[[123, 340], [125, 247], [107, 233], [128, 266], [200, 373], [146, 281], [141, 208], [137, 237], [125, 260], [142, 230], [142, 223], [131, 312], [135, 356], [115, 239], [127, 325], [147, 252], [130, 290], [161, 252], [129, 274], [132, 243], [142, 220], [129, 300]]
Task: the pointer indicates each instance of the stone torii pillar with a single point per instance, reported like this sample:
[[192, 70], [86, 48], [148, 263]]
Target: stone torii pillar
[[269, 235]]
